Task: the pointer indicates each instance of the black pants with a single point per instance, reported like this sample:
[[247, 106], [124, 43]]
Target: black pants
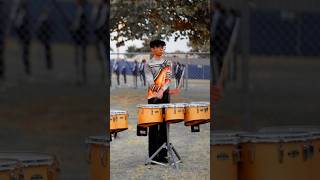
[[158, 133], [47, 51]]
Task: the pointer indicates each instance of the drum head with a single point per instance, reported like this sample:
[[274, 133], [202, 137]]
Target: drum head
[[29, 158], [114, 112], [194, 104], [202, 102], [225, 137], [274, 137], [101, 140], [8, 164], [150, 105]]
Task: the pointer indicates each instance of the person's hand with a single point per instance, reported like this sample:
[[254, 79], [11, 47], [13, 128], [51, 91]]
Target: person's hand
[[216, 93], [175, 91], [160, 94]]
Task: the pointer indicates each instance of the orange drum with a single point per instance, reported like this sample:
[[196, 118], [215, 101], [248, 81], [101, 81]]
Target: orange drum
[[224, 155], [98, 157], [274, 155], [311, 148], [35, 165], [118, 121], [113, 122], [174, 113], [149, 114], [197, 113], [9, 169]]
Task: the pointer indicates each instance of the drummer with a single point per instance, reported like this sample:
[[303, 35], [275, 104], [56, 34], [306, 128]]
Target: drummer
[[158, 72]]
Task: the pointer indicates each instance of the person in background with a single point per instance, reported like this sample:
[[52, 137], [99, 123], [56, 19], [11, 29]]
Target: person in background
[[22, 28], [135, 73], [44, 33], [116, 70], [142, 73], [124, 70], [100, 24], [79, 31]]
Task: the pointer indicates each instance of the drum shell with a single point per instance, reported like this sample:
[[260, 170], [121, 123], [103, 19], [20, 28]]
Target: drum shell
[[121, 122], [12, 172], [149, 116], [276, 161], [174, 114], [197, 115], [223, 165], [32, 169], [113, 123], [99, 158]]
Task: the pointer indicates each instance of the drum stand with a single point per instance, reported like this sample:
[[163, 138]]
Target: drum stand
[[173, 156]]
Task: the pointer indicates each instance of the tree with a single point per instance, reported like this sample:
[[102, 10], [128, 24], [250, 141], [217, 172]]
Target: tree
[[141, 19]]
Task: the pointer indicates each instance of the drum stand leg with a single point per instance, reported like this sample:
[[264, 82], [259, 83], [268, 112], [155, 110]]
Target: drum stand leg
[[173, 156]]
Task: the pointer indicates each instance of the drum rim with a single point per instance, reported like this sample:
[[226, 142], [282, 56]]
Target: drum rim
[[274, 137], [114, 112], [150, 106], [8, 164], [178, 105], [47, 160], [197, 105]]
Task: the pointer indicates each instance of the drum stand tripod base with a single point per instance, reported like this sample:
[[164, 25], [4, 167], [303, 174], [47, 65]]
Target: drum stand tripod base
[[173, 156]]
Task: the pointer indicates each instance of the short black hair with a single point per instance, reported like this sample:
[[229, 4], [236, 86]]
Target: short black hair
[[157, 43]]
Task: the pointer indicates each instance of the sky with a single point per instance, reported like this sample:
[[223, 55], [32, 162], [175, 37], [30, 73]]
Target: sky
[[171, 46]]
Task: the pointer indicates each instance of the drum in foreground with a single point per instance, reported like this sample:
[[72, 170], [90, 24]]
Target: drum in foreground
[[225, 155], [197, 113], [174, 112], [98, 157], [149, 114], [311, 148], [273, 155], [9, 169], [35, 165]]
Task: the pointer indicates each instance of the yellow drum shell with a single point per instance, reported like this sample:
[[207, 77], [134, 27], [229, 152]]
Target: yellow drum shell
[[197, 115], [174, 114], [9, 169], [118, 121], [148, 116], [98, 158], [273, 160], [35, 165], [113, 123], [223, 164], [224, 155]]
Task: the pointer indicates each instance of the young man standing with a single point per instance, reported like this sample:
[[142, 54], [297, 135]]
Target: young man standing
[[158, 75]]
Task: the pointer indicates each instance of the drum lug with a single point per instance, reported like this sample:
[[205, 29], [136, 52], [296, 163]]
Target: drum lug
[[103, 156], [236, 155], [308, 151], [88, 156], [280, 153], [252, 152]]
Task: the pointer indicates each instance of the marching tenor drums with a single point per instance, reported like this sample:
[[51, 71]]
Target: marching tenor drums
[[174, 113], [225, 155], [9, 169], [118, 121], [311, 148], [98, 157], [197, 113], [149, 114], [273, 155], [35, 165]]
